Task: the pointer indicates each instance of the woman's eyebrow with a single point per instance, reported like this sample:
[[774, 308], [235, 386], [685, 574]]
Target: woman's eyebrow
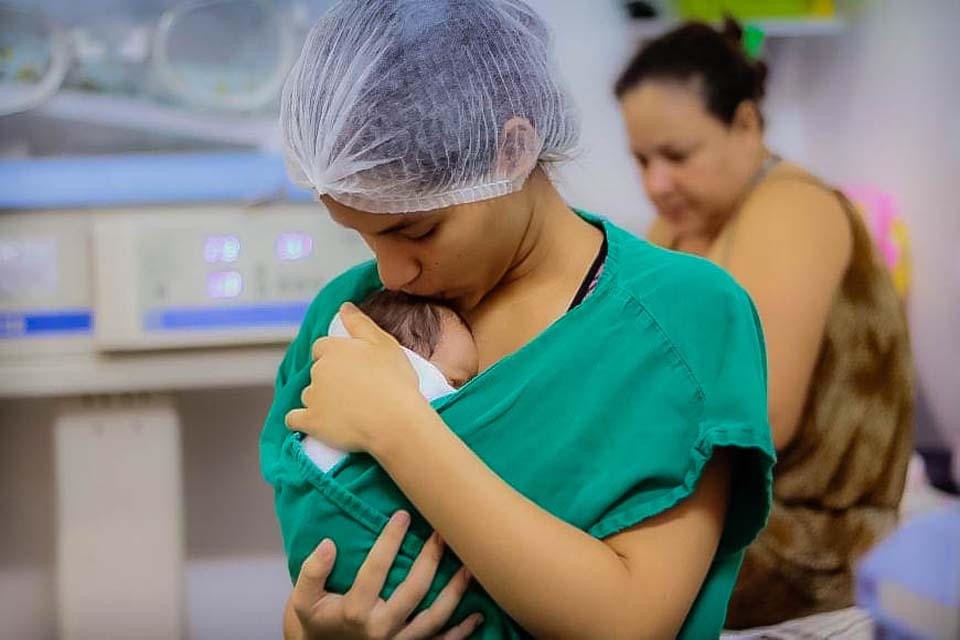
[[403, 224]]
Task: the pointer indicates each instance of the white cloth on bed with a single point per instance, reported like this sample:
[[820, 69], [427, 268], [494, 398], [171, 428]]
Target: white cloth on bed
[[850, 624]]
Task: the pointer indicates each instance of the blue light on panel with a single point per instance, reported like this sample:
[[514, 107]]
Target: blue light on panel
[[232, 317], [46, 323], [114, 180]]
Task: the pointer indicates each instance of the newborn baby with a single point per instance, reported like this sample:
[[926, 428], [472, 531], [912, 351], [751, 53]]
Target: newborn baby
[[434, 338]]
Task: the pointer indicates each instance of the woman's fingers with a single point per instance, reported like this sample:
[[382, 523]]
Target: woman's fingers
[[429, 622], [416, 585], [292, 627], [365, 592], [464, 629], [310, 589], [361, 612], [316, 349]]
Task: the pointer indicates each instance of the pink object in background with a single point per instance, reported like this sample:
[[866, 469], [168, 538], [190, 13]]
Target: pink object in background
[[879, 211]]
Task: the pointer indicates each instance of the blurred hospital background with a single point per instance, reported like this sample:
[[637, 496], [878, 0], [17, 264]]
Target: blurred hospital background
[[154, 261]]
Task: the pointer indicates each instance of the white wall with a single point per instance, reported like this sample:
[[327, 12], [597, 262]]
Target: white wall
[[882, 105]]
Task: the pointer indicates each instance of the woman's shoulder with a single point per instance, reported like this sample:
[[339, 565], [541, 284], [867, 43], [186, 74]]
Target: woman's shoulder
[[792, 228], [795, 207], [656, 275], [691, 299]]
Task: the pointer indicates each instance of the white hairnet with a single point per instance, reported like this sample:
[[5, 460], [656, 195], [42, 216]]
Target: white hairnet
[[410, 105]]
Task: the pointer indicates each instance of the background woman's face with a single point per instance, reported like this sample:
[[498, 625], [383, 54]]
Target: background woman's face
[[456, 254], [694, 166]]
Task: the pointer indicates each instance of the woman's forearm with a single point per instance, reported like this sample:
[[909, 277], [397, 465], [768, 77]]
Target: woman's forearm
[[551, 577]]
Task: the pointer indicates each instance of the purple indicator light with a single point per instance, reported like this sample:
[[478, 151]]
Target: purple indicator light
[[218, 249], [294, 246], [224, 284]]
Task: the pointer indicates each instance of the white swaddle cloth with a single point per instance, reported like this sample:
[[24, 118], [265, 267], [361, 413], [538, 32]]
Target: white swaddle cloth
[[433, 385]]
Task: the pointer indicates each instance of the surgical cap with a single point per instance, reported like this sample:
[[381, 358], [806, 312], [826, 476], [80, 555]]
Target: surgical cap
[[397, 106]]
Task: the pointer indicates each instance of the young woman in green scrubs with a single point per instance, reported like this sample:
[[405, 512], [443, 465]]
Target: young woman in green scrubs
[[603, 473]]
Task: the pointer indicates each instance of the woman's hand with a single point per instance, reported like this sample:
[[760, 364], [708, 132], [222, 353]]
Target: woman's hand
[[362, 614], [360, 388]]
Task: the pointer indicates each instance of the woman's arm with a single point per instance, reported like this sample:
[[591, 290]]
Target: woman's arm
[[790, 252], [553, 578]]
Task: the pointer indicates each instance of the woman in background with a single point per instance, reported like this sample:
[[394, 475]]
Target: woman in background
[[840, 392]]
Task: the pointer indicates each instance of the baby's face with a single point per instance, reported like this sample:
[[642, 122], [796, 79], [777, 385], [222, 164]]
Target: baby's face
[[456, 352]]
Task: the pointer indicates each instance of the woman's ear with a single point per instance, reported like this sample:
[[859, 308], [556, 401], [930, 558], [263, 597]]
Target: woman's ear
[[747, 118], [519, 149]]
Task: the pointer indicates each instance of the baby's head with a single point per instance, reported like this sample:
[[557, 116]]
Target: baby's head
[[433, 331]]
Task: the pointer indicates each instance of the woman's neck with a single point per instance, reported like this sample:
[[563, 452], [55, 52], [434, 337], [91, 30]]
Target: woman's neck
[[701, 242], [556, 251], [556, 241], [756, 172], [553, 258]]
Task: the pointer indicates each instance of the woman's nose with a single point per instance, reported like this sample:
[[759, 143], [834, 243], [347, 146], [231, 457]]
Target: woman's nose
[[397, 268], [658, 179]]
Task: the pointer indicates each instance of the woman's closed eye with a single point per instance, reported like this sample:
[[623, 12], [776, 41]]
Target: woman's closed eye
[[675, 156], [678, 154], [424, 234]]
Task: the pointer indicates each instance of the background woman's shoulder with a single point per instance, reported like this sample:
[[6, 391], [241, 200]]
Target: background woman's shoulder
[[795, 208]]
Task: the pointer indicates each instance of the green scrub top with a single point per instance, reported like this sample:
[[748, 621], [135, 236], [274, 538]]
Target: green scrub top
[[605, 419]]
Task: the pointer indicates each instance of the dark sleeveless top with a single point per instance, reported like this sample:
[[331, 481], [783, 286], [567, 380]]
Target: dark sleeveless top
[[838, 484]]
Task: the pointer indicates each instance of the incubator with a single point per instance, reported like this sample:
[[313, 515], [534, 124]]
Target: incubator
[[150, 242]]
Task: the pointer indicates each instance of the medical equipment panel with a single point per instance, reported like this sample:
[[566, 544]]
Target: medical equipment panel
[[174, 277], [45, 290]]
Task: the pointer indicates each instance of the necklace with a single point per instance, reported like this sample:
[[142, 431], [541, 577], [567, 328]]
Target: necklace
[[766, 166]]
